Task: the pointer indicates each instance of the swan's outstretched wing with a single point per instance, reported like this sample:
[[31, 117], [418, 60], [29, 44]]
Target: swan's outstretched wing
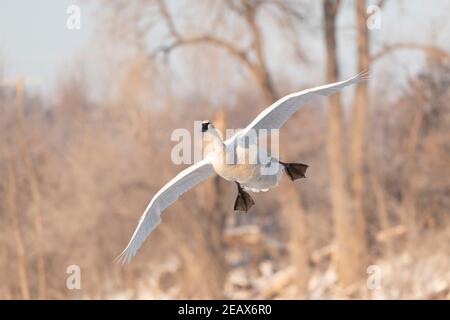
[[184, 181], [275, 116]]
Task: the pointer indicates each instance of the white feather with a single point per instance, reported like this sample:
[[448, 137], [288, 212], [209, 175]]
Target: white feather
[[185, 180], [275, 116]]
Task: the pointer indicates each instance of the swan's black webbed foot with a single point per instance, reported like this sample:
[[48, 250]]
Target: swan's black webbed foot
[[243, 201], [295, 170]]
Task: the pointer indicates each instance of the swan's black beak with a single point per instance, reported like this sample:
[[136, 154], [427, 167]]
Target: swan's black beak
[[205, 126]]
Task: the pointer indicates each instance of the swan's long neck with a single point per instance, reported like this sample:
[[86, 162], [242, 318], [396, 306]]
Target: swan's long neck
[[213, 143]]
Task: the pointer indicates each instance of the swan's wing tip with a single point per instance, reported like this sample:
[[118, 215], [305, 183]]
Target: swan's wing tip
[[362, 76], [123, 258]]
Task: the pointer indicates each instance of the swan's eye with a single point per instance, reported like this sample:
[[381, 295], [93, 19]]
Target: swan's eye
[[205, 126]]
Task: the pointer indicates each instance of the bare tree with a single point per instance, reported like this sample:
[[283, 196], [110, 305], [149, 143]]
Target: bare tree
[[359, 115], [11, 188], [297, 227], [34, 188], [350, 246]]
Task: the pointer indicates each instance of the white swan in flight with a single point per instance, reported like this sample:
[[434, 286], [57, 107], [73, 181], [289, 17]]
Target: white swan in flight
[[246, 170]]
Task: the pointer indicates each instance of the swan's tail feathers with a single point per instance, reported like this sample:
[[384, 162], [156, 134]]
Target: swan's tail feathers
[[295, 170]]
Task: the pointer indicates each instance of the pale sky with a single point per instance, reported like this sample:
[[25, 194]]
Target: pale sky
[[34, 39], [35, 42]]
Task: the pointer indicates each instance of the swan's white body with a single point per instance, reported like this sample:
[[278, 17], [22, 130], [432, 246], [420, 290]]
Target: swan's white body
[[242, 161], [246, 172]]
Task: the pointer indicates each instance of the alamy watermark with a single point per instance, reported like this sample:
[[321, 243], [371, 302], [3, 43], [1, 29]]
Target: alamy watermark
[[373, 21], [73, 281], [374, 279], [73, 21]]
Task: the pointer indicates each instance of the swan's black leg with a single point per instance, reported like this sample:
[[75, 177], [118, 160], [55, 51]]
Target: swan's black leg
[[243, 201]]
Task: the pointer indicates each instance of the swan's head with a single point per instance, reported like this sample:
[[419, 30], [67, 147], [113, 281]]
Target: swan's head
[[209, 131], [206, 126], [211, 136]]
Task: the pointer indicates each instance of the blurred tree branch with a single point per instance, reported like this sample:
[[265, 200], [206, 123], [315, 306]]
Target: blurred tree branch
[[428, 49], [208, 39], [252, 56]]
